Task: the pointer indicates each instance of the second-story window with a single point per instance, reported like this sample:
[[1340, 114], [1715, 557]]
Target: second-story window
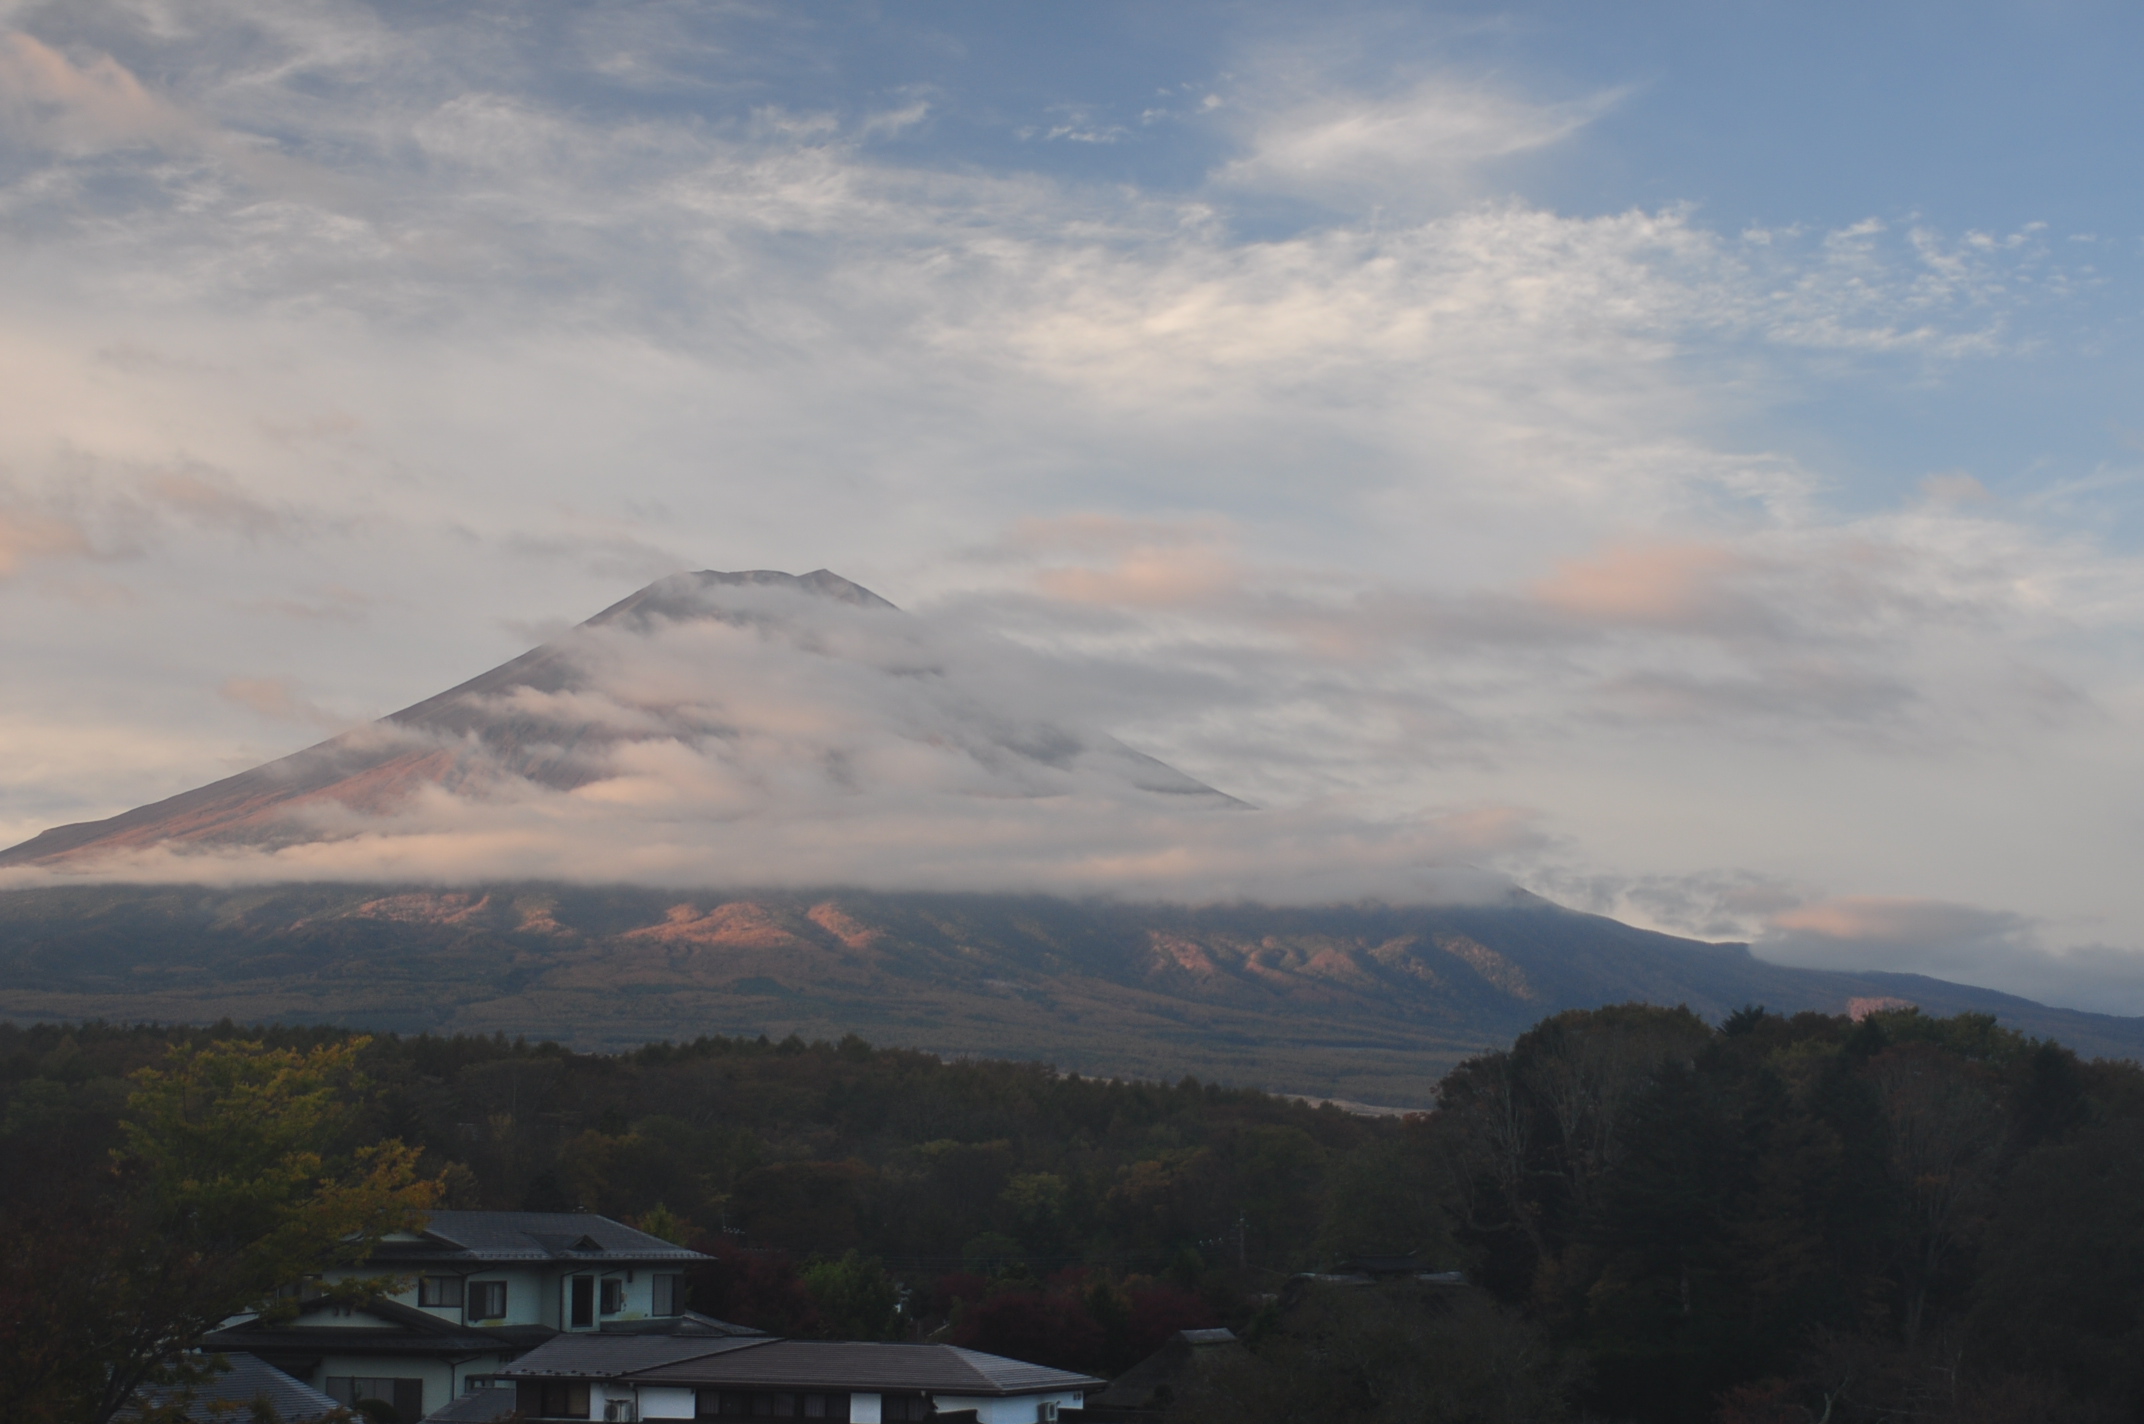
[[440, 1291], [669, 1295], [487, 1300], [613, 1297]]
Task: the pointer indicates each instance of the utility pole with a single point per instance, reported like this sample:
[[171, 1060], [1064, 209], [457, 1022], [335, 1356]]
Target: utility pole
[[1242, 1258]]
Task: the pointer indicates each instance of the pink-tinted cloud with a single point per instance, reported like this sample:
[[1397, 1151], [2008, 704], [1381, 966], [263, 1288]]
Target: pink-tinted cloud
[[80, 107], [275, 699], [28, 534], [1661, 585]]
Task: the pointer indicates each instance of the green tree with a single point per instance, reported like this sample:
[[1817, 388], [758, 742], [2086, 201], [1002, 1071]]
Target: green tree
[[1393, 1354], [235, 1178], [857, 1300]]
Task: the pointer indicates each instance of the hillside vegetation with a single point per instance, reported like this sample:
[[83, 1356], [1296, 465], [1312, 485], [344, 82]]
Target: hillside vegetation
[[1366, 1003], [1773, 1219]]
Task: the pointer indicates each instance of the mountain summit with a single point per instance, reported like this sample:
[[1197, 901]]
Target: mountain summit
[[710, 695]]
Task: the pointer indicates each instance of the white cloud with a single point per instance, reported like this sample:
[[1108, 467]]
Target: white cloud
[[793, 740], [1422, 148]]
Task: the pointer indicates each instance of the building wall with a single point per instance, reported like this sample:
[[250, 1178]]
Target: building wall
[[863, 1409], [538, 1295], [439, 1385], [667, 1403], [1017, 1409]]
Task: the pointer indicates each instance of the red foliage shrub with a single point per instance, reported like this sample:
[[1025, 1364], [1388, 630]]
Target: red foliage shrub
[[762, 1289]]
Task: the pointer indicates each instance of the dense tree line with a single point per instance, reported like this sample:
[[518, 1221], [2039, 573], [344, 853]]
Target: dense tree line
[[1809, 1218], [1769, 1220]]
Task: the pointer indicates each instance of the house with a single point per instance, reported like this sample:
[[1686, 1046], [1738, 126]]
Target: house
[[617, 1377], [1147, 1389], [234, 1394], [483, 1288]]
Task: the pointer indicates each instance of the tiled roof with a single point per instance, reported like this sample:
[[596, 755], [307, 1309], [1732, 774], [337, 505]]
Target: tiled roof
[[826, 1364], [593, 1356], [475, 1406], [408, 1331], [230, 1395], [1216, 1336], [504, 1237], [690, 1322]]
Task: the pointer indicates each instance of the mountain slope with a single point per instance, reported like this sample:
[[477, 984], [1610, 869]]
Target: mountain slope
[[1368, 1003], [558, 717]]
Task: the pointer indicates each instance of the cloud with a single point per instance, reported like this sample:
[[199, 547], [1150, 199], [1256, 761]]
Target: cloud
[[1945, 940], [48, 98], [27, 534], [275, 699], [1424, 146], [1896, 932], [215, 501], [1128, 563], [765, 737], [1657, 585]]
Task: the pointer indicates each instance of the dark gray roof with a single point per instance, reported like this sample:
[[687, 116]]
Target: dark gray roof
[[248, 1380], [689, 1322], [478, 1238], [596, 1356], [475, 1406], [409, 1331], [1182, 1358], [827, 1364]]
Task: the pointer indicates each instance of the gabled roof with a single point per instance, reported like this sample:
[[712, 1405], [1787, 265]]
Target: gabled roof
[[592, 1356], [1182, 1358], [688, 1322], [402, 1330], [230, 1395], [480, 1238], [828, 1364], [475, 1406]]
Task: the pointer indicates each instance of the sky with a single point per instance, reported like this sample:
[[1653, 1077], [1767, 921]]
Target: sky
[[1682, 457]]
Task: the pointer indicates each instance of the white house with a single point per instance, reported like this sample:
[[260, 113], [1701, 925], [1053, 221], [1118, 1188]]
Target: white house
[[483, 1289], [613, 1377]]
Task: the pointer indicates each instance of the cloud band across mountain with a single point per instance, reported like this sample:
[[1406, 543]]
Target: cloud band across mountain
[[763, 729]]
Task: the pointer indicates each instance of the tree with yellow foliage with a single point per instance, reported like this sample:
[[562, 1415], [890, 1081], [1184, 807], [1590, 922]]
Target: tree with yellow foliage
[[236, 1177]]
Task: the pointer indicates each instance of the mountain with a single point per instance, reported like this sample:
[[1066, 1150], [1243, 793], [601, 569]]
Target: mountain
[[561, 717], [1366, 1003], [789, 733]]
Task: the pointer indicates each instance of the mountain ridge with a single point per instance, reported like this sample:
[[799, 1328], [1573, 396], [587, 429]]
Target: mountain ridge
[[1367, 1002]]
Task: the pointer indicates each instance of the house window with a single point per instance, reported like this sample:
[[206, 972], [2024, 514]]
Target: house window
[[669, 1295], [440, 1291], [613, 1297], [553, 1399], [487, 1300], [901, 1407], [404, 1396], [826, 1406]]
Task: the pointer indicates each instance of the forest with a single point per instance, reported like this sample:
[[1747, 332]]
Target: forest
[[1766, 1220]]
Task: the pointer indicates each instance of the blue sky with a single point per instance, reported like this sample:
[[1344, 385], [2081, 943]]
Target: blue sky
[[1684, 456]]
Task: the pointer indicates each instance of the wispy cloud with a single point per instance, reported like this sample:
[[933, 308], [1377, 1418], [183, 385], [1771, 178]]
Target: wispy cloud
[[1423, 148]]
